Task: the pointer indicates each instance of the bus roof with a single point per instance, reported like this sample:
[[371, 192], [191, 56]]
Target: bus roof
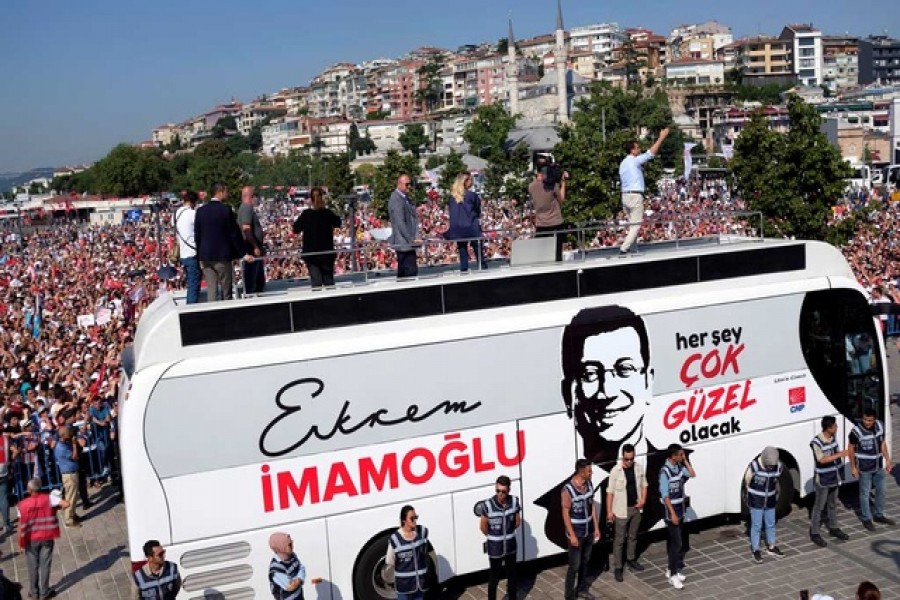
[[169, 332]]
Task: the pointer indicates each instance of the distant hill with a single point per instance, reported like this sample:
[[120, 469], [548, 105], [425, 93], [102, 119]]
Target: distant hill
[[10, 180]]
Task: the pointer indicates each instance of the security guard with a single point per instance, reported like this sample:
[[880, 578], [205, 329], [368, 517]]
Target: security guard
[[580, 518], [762, 498], [672, 476], [829, 465], [501, 516], [406, 562], [158, 579], [870, 461]]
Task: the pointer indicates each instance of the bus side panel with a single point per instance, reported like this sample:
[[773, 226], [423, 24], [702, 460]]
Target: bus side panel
[[234, 553], [139, 479], [549, 461]]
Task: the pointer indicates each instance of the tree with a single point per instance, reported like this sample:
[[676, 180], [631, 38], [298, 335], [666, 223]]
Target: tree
[[429, 94], [592, 157], [386, 177], [434, 161], [339, 175], [452, 167], [508, 176], [214, 162], [413, 139], [353, 140], [793, 178], [365, 174], [503, 46], [223, 126], [378, 115], [129, 171], [486, 134]]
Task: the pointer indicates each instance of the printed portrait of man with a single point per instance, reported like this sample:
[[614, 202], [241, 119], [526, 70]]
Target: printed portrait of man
[[607, 380], [607, 385]]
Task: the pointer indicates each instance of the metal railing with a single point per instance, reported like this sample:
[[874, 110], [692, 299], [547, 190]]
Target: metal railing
[[582, 243]]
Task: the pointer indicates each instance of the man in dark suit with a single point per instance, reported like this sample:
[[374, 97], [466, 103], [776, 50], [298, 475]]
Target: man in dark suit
[[219, 242], [404, 228]]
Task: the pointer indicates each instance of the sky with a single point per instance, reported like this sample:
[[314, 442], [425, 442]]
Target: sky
[[76, 78]]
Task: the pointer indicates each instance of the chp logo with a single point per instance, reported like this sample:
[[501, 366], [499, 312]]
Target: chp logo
[[797, 399]]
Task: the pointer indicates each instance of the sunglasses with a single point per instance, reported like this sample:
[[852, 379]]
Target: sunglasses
[[414, 517], [499, 491]]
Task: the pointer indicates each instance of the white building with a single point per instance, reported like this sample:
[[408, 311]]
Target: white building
[[807, 56], [600, 40], [688, 71], [279, 138]]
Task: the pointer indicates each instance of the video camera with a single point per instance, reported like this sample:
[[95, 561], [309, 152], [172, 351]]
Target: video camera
[[552, 172]]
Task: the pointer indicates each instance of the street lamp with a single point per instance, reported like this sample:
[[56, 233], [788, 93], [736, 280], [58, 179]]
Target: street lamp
[[309, 170]]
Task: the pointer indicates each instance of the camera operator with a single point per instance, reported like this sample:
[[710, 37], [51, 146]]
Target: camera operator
[[548, 192]]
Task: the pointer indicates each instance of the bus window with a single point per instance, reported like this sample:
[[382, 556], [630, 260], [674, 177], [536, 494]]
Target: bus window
[[837, 334]]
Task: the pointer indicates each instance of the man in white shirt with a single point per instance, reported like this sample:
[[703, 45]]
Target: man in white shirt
[[184, 231], [631, 176]]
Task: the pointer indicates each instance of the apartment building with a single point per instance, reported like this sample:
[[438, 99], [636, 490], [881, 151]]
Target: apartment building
[[538, 47], [284, 135], [762, 59], [232, 109], [879, 60], [599, 39], [254, 113], [840, 65], [727, 124], [695, 71], [339, 91], [392, 89], [698, 41], [807, 56], [164, 134]]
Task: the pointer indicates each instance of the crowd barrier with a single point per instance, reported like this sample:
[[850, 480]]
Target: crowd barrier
[[36, 459]]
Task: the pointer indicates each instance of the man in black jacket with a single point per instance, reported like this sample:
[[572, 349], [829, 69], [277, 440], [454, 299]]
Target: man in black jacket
[[219, 242]]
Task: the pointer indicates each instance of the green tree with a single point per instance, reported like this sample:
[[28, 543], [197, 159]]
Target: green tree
[[386, 177], [224, 125], [378, 115], [434, 161], [593, 144], [214, 161], [353, 140], [429, 94], [129, 171], [452, 167], [486, 134], [508, 175], [413, 139], [365, 174], [794, 178], [339, 175]]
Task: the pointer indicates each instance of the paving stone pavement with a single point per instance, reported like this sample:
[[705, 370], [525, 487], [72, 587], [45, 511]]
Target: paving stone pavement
[[91, 562]]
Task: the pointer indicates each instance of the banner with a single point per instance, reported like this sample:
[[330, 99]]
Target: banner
[[688, 159]]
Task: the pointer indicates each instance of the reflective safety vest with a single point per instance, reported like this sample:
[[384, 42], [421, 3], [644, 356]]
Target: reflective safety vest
[[761, 492], [164, 587], [38, 519], [828, 474], [501, 535], [411, 561], [868, 449], [291, 568], [582, 509], [676, 490]]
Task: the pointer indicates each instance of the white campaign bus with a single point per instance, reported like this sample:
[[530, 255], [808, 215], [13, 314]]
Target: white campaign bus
[[322, 414]]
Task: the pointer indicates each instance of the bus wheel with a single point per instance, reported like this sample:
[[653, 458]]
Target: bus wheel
[[785, 495], [368, 583]]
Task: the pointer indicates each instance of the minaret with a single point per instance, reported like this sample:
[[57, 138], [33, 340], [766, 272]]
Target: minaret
[[512, 74], [560, 57]]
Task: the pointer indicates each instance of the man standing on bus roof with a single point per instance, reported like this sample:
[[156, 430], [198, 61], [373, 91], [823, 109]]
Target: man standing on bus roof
[[157, 579], [406, 561], [672, 478], [582, 527], [404, 227], [631, 177], [870, 461], [761, 480], [626, 495], [501, 517], [829, 460]]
